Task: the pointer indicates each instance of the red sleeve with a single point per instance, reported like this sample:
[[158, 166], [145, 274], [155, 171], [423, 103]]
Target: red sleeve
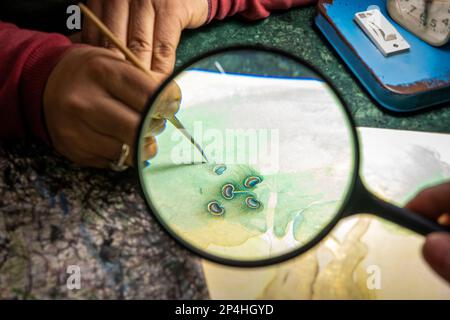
[[250, 9], [26, 61]]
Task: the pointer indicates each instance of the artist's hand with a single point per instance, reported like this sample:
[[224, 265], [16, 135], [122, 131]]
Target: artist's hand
[[434, 203], [150, 28], [93, 103]]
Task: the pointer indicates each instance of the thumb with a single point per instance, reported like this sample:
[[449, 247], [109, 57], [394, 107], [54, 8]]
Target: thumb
[[436, 252]]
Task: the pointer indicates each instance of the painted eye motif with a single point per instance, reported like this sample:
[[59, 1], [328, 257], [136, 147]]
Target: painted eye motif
[[252, 181], [220, 169], [216, 209], [252, 203], [228, 191]]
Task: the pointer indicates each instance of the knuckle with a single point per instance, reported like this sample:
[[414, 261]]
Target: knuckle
[[174, 7], [72, 103], [140, 45], [75, 105], [108, 44], [164, 49]]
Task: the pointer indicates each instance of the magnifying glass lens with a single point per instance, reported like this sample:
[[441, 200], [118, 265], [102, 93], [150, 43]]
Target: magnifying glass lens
[[281, 158]]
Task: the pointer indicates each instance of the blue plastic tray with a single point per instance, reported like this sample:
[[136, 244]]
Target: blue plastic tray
[[405, 82]]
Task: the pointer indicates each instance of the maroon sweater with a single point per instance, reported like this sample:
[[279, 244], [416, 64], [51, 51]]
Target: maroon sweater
[[27, 58]]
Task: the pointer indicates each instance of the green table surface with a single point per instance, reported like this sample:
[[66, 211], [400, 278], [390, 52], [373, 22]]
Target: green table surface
[[294, 31]]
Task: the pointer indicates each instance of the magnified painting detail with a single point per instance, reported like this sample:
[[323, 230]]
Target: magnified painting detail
[[280, 157]]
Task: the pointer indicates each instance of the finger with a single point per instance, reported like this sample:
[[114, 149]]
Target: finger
[[432, 202], [436, 252], [150, 148], [91, 34], [156, 127], [131, 86], [78, 152], [112, 118], [166, 38], [101, 145], [115, 17], [94, 149], [140, 30], [168, 102], [108, 148], [99, 150]]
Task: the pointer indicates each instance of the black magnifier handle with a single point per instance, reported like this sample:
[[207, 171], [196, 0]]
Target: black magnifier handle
[[363, 201], [407, 218]]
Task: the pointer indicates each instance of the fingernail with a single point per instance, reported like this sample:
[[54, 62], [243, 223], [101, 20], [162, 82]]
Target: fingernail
[[437, 250], [444, 219]]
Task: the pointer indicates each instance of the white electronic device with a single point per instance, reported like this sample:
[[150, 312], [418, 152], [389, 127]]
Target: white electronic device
[[382, 33]]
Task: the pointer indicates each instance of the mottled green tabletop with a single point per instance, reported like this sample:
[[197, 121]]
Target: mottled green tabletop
[[294, 31]]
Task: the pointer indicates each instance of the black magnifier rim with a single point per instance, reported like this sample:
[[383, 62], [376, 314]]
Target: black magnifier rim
[[283, 257]]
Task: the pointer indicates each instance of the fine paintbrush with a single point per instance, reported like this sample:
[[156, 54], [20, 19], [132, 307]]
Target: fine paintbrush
[[135, 61]]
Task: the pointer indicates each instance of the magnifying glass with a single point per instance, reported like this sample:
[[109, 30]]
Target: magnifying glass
[[283, 157]]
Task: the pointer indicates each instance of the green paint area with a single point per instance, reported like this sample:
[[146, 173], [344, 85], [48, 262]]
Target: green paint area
[[208, 204], [183, 203]]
